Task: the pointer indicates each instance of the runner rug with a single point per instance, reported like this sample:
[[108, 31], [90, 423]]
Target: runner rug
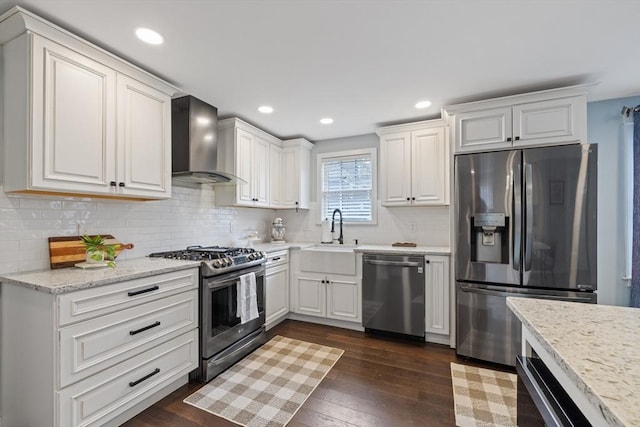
[[483, 397], [267, 387]]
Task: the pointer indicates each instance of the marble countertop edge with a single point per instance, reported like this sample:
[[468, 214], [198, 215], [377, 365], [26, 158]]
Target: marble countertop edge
[[616, 414]]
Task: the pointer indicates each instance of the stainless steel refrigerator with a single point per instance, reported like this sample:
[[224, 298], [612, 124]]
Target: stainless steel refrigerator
[[525, 226]]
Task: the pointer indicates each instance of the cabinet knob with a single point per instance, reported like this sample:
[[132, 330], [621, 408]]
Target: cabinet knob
[[408, 198], [427, 261], [413, 198], [517, 138], [509, 139], [112, 183], [121, 184]]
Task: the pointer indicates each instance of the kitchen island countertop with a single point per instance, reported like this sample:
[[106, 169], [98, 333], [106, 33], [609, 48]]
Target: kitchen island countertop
[[71, 279], [595, 347]]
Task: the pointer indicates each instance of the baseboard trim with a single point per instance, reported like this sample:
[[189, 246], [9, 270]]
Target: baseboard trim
[[329, 322]]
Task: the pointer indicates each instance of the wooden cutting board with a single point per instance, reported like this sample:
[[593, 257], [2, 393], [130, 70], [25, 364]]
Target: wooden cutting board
[[68, 251]]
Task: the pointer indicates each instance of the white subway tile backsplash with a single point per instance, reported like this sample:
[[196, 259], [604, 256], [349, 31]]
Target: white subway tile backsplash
[[189, 218]]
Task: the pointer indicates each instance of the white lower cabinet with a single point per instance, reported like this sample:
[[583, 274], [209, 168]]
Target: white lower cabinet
[[98, 355], [277, 287], [330, 296], [437, 294]]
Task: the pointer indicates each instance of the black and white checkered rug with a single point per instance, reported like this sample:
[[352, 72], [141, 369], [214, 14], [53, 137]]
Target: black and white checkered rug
[[267, 387]]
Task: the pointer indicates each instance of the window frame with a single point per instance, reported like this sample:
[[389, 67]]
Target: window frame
[[372, 152]]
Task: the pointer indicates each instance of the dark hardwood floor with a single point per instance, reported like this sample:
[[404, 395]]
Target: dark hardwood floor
[[378, 381]]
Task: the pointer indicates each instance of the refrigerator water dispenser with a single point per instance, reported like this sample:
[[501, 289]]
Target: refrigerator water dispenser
[[489, 237]]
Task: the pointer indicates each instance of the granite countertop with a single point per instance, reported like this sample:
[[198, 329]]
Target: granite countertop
[[388, 249], [65, 280], [597, 347]]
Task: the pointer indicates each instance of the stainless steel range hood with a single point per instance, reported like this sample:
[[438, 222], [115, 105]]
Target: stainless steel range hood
[[194, 143]]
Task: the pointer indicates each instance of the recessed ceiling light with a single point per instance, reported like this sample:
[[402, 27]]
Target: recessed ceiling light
[[326, 121], [265, 109], [149, 36], [423, 104]]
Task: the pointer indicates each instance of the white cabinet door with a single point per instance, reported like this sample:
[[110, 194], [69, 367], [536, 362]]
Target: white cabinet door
[[244, 167], [396, 168], [549, 122], [290, 183], [276, 181], [277, 295], [343, 299], [484, 129], [144, 140], [296, 173], [73, 121], [260, 161], [429, 167], [437, 294], [311, 296]]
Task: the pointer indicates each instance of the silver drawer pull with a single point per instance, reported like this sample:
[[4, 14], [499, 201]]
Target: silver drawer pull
[[146, 328], [146, 377]]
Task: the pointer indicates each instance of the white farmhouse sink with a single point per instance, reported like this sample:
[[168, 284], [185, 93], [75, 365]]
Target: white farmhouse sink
[[338, 259]]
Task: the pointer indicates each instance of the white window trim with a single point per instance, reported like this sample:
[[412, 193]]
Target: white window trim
[[373, 152]]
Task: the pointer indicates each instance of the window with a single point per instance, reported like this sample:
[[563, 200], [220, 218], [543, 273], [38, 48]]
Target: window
[[347, 181]]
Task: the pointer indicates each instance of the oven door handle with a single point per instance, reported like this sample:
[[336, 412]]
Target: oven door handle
[[231, 278]]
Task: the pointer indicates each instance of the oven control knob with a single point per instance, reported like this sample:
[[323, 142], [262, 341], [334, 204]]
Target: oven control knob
[[228, 261], [217, 263]]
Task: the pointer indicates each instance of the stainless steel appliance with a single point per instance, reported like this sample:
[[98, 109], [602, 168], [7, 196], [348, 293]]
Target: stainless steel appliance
[[393, 294], [194, 143], [541, 400], [224, 339], [525, 226]]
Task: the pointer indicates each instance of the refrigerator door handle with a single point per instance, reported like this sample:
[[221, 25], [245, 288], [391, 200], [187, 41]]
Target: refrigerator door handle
[[528, 242], [481, 291], [517, 221]]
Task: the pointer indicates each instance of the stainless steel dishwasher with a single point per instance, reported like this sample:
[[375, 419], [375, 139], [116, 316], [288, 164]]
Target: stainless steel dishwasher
[[393, 294]]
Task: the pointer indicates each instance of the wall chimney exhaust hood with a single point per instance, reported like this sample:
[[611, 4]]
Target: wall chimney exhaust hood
[[194, 143]]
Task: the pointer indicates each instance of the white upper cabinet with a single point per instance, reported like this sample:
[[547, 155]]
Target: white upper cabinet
[[295, 174], [244, 151], [79, 120], [144, 140], [557, 116], [275, 176], [277, 173], [414, 162]]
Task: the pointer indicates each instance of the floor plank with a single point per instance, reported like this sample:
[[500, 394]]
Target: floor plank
[[379, 381]]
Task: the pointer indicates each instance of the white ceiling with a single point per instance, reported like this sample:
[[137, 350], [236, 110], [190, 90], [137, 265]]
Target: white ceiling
[[363, 63]]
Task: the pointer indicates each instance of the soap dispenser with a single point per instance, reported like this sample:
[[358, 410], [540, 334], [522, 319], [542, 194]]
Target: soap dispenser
[[326, 231]]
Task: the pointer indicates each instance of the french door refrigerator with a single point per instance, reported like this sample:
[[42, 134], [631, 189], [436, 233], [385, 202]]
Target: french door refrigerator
[[526, 227]]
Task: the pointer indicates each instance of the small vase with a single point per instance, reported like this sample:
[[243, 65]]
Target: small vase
[[95, 257]]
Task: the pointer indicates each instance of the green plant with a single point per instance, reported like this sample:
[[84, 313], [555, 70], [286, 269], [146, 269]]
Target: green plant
[[96, 245]]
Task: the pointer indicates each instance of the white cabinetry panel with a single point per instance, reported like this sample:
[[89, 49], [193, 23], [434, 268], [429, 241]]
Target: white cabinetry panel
[[437, 294], [415, 164], [144, 140], [74, 100]]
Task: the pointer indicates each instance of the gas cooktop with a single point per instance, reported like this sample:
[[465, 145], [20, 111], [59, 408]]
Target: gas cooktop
[[216, 260]]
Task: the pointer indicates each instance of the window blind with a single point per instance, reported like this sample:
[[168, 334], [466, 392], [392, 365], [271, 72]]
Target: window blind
[[347, 185]]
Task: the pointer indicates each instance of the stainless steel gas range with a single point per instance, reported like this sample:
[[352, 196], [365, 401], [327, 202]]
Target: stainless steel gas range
[[224, 339]]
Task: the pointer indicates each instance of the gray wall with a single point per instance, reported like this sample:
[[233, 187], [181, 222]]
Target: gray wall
[[606, 129]]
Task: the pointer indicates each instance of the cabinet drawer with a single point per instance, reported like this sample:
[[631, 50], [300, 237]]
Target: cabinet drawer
[[96, 344], [277, 258], [93, 302], [102, 397]]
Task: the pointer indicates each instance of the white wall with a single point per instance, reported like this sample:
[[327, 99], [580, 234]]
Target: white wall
[[605, 128], [423, 225], [188, 218]]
